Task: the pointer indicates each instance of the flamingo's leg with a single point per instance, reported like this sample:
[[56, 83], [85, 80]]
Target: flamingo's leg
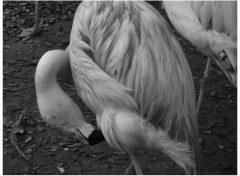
[[135, 165], [202, 84], [130, 170]]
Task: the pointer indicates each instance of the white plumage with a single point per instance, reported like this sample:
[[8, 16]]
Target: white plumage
[[211, 26], [130, 70]]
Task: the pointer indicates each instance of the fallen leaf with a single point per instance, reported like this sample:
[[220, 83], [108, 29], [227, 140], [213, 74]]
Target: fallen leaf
[[207, 152], [220, 146], [48, 44], [229, 150], [28, 151], [28, 139], [207, 132], [74, 145], [13, 85], [26, 32], [17, 130], [54, 139], [213, 93], [6, 47], [54, 148], [74, 149], [119, 153]]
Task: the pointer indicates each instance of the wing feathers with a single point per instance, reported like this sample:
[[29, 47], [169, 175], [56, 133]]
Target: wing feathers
[[147, 60]]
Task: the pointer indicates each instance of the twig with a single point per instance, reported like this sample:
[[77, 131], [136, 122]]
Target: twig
[[14, 142], [16, 124], [14, 137]]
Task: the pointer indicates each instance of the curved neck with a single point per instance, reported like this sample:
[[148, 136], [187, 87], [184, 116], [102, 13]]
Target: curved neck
[[50, 64]]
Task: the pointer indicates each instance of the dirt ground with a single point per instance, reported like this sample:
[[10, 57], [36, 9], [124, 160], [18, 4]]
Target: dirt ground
[[49, 150]]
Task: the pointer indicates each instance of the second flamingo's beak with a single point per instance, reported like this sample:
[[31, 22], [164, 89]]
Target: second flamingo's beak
[[226, 64]]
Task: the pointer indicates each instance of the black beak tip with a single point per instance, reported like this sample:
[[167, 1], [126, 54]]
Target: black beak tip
[[95, 137]]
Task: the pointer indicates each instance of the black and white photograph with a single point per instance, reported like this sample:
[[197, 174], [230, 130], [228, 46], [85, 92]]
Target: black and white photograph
[[119, 87]]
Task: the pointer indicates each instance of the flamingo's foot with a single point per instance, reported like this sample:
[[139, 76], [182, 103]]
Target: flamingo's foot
[[29, 32], [130, 170]]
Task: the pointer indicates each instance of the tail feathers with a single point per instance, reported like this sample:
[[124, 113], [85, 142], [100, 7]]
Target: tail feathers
[[125, 130], [180, 152]]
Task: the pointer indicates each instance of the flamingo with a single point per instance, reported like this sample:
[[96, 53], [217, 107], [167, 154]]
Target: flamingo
[[55, 106], [129, 69], [35, 29], [211, 26]]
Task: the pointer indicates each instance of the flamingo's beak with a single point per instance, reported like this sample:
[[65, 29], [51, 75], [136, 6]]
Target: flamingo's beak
[[226, 63], [94, 138]]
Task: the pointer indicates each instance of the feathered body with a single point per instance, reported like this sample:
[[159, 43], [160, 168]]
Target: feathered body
[[130, 70], [211, 26]]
